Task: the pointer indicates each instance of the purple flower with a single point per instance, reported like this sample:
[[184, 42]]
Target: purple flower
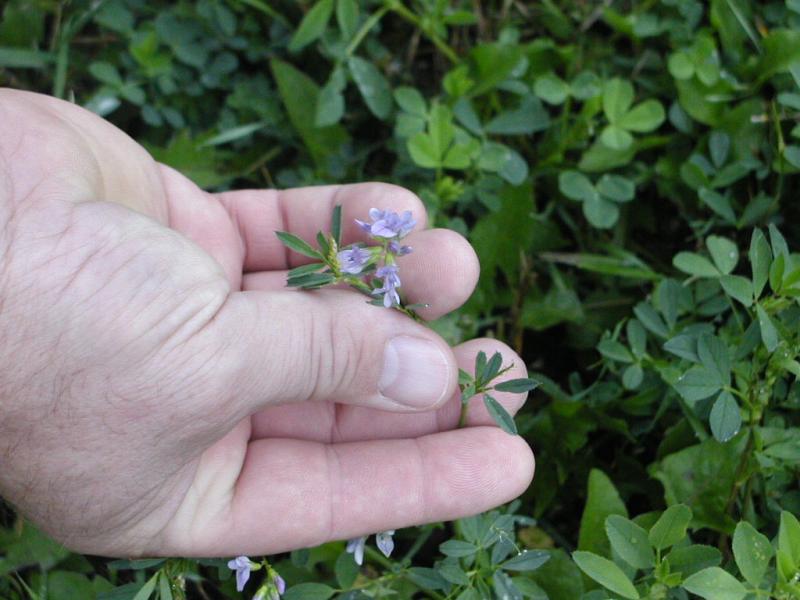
[[388, 224], [279, 583], [353, 260], [385, 542], [356, 548], [396, 248], [391, 281], [242, 566]]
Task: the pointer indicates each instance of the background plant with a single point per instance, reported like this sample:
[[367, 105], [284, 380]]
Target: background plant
[[626, 172]]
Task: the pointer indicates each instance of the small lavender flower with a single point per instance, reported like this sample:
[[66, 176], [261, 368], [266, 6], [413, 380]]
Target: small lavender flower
[[356, 548], [385, 542], [397, 249], [391, 281], [279, 583], [242, 566], [388, 224], [353, 260]]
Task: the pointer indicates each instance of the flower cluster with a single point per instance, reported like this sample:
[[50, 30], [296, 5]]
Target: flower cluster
[[387, 228], [271, 589], [370, 269], [384, 541], [387, 224]]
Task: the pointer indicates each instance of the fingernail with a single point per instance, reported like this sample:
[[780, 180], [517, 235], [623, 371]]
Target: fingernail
[[415, 372]]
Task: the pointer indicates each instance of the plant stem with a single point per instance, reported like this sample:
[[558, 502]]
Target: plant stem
[[365, 29], [398, 7]]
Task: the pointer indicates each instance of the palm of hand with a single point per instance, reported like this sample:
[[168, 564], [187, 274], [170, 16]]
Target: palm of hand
[[183, 416]]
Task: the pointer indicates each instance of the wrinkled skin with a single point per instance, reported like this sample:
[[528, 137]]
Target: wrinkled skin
[[162, 393]]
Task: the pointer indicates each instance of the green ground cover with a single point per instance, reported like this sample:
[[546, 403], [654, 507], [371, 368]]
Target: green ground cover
[[627, 173]]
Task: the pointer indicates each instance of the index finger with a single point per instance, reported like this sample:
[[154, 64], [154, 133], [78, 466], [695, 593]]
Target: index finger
[[258, 214]]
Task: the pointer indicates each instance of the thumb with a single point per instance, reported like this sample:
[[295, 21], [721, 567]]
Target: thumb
[[330, 345]]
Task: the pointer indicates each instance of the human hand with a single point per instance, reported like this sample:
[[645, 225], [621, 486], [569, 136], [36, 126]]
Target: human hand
[[162, 393]]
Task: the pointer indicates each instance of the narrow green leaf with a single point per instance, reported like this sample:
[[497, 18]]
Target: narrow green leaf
[[517, 386], [752, 552], [324, 245], [714, 583], [347, 17], [637, 337], [233, 134], [776, 271], [492, 367], [147, 589], [606, 573], [23, 58], [500, 415], [336, 224], [480, 365], [718, 203], [670, 527], [769, 334], [778, 242], [164, 588], [614, 350], [295, 243], [311, 280], [719, 145], [457, 548], [527, 560], [312, 26], [304, 270]]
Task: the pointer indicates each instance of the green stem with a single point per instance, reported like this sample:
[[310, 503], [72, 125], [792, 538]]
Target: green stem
[[398, 7], [462, 419], [419, 541], [365, 29]]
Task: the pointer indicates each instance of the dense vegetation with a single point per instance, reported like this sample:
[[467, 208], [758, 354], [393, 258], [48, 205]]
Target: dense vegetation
[[626, 172]]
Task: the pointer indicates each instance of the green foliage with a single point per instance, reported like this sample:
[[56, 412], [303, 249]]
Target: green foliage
[[626, 173]]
